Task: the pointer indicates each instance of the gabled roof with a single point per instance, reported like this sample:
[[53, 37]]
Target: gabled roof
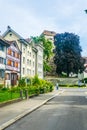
[[14, 43], [9, 29], [3, 41], [28, 40], [24, 41], [49, 33]]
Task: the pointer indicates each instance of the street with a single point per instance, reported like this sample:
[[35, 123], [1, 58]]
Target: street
[[67, 111]]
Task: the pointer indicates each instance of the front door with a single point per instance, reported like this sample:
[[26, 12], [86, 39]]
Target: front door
[[13, 79]]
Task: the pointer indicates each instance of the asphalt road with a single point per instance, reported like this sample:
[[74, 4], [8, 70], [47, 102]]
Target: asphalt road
[[65, 112]]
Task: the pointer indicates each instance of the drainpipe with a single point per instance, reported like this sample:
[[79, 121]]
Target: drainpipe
[[21, 61]]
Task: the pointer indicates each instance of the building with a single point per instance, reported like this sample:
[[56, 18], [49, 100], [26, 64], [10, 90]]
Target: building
[[37, 59], [50, 36], [3, 49], [39, 63], [85, 71], [13, 60], [29, 53]]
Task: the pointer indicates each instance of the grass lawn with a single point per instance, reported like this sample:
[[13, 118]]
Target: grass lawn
[[7, 95]]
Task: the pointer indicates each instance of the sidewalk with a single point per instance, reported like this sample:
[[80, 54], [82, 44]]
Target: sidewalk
[[11, 113]]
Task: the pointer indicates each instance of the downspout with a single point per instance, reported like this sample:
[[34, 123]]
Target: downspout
[[20, 62]]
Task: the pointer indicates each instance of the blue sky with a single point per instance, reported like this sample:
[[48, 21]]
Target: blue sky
[[31, 17]]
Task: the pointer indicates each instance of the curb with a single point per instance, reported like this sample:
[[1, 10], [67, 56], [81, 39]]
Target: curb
[[8, 123]]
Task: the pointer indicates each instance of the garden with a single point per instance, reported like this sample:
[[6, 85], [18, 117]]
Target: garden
[[30, 86]]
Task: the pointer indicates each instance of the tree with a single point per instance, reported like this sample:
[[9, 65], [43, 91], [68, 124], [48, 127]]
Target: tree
[[85, 11], [68, 53], [47, 53]]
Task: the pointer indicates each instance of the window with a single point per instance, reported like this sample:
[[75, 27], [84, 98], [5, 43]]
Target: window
[[40, 49], [33, 72], [23, 50], [5, 61], [2, 60], [9, 62], [1, 47], [23, 70], [28, 53], [51, 39], [9, 51], [10, 34], [16, 64], [18, 55], [27, 61], [30, 62], [2, 73], [23, 60], [33, 56], [33, 64], [27, 71], [13, 53]]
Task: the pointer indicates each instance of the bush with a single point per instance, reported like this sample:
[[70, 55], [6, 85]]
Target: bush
[[5, 89], [42, 90], [21, 83], [35, 80], [15, 89], [33, 90]]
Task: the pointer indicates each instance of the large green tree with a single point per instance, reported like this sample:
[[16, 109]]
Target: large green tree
[[47, 53], [68, 53]]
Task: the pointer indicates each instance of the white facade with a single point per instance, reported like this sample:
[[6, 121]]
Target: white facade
[[3, 49], [28, 61], [40, 60], [85, 71], [2, 57]]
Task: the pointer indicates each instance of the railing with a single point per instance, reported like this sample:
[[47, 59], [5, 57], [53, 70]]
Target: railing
[[12, 68]]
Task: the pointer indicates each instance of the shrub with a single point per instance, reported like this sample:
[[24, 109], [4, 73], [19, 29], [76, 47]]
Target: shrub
[[22, 83], [15, 89], [5, 89], [33, 90], [35, 80]]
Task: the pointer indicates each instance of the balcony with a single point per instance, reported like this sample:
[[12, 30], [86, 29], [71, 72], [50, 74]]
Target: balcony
[[12, 68], [13, 58]]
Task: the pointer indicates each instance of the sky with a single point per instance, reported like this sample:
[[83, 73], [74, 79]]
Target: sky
[[32, 17]]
